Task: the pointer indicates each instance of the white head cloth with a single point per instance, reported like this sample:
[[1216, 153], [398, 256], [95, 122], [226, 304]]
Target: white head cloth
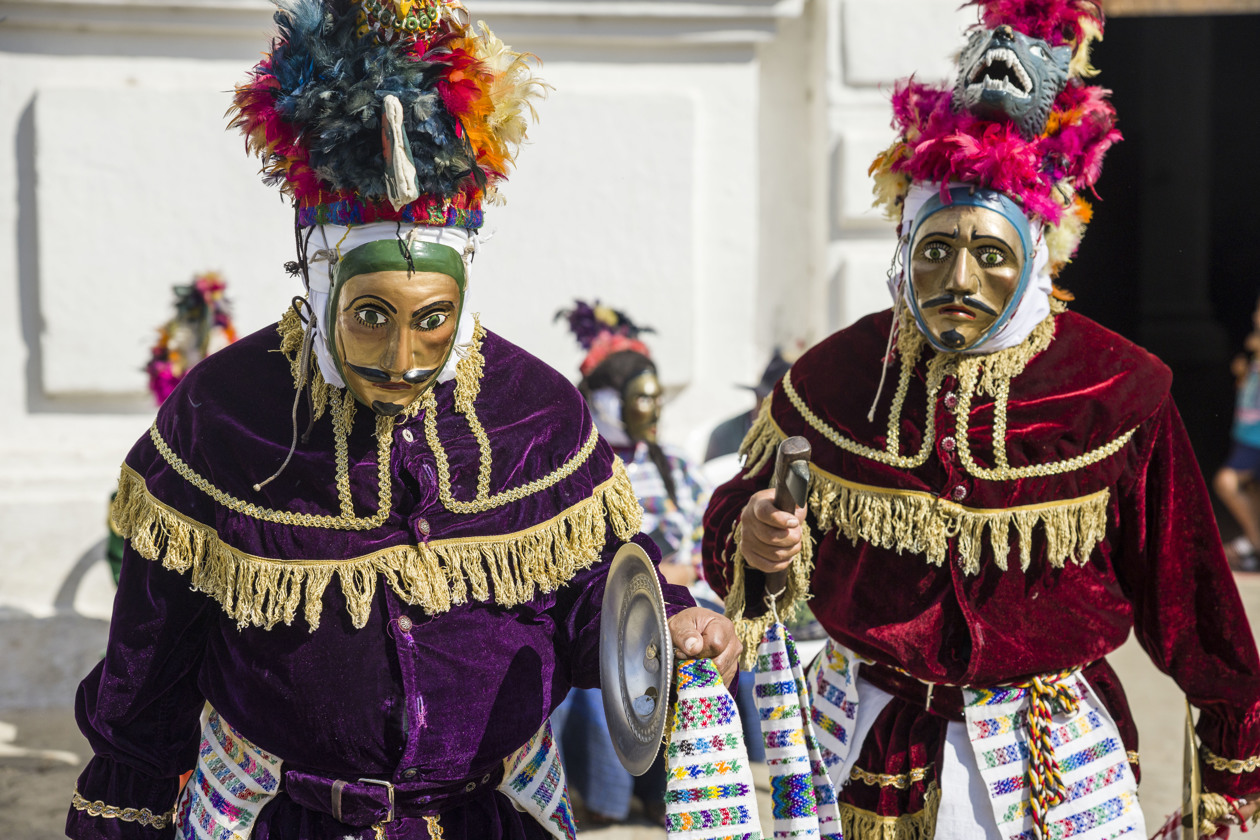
[[1030, 310], [327, 245], [606, 412]]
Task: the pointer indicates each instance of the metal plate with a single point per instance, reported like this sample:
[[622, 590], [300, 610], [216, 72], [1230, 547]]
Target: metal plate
[[636, 658]]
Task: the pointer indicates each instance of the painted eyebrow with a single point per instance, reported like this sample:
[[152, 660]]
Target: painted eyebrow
[[975, 236], [376, 298], [439, 306], [942, 232]]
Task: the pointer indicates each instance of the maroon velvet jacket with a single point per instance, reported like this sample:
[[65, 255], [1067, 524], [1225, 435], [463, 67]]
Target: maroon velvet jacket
[[905, 570]]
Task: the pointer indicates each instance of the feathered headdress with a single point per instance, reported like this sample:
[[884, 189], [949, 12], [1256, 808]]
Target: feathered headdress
[[602, 331], [386, 110], [941, 144], [202, 325]]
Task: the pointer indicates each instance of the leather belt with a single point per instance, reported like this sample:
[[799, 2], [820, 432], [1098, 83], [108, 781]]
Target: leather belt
[[372, 802]]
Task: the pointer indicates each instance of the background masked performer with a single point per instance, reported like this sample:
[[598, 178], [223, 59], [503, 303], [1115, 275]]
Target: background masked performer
[[371, 542], [1002, 498], [623, 392]]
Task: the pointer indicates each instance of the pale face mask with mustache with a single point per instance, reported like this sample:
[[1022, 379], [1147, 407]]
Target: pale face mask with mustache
[[968, 270]]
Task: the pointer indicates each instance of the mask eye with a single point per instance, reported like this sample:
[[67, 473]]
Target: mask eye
[[991, 258], [432, 321], [1037, 50], [371, 317], [935, 252]]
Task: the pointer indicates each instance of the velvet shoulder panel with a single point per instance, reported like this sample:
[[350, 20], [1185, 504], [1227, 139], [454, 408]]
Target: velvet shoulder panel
[[526, 491]]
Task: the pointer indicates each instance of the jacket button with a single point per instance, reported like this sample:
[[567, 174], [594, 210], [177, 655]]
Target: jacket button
[[470, 787], [408, 436], [951, 401], [423, 525], [404, 624], [949, 444], [959, 493], [410, 773]]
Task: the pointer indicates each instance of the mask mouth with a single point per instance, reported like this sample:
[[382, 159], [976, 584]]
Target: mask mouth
[[959, 305], [381, 379], [1000, 70]]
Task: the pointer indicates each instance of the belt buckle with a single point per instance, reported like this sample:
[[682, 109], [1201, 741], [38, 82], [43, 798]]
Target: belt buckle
[[379, 828]]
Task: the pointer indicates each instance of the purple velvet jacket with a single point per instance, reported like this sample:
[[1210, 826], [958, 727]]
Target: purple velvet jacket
[[297, 633]]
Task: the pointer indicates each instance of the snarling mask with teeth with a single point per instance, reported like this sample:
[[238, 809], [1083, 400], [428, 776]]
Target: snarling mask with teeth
[[1005, 73]]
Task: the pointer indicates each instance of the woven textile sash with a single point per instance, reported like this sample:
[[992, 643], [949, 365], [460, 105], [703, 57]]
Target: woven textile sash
[[804, 801], [534, 781], [833, 698], [1053, 741], [709, 789], [232, 782]]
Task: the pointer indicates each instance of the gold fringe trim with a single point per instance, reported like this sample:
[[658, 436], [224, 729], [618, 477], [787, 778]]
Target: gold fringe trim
[[263, 592], [864, 825], [751, 630], [905, 520], [292, 332]]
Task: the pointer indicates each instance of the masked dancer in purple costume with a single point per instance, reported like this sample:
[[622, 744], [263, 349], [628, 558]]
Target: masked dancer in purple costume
[[367, 547], [1002, 490]]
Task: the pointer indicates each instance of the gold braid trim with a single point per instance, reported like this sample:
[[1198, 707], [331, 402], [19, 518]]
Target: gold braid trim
[[864, 825], [292, 331], [112, 812], [750, 630], [262, 592], [921, 523], [901, 781], [1231, 765]]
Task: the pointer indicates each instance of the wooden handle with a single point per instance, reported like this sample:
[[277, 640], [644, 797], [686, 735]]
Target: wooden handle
[[790, 451]]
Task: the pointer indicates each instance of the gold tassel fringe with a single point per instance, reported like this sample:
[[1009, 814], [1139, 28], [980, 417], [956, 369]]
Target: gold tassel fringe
[[263, 592], [864, 825], [751, 630], [924, 524]]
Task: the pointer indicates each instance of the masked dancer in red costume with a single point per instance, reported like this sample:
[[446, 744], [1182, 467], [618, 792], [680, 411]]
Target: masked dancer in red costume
[[1001, 489]]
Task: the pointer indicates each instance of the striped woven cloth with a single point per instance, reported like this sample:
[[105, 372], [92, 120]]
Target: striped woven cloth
[[709, 791], [804, 801], [233, 781]]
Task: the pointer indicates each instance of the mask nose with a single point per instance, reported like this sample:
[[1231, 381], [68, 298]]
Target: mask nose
[[963, 275]]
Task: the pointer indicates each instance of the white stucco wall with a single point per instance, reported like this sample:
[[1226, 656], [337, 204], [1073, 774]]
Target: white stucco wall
[[700, 164]]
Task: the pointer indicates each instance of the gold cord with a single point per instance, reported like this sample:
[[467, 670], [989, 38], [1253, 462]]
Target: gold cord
[[143, 816]]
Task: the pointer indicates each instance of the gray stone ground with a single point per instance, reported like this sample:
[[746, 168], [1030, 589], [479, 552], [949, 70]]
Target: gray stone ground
[[41, 752]]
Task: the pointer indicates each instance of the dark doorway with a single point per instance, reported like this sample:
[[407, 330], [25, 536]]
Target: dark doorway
[[1169, 261]]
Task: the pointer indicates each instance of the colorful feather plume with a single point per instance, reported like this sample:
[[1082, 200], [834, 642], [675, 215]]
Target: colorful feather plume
[[202, 325], [602, 331], [938, 144], [312, 110]]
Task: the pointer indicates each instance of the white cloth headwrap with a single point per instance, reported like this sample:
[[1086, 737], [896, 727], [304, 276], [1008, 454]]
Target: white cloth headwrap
[[606, 412], [1030, 311], [329, 242]]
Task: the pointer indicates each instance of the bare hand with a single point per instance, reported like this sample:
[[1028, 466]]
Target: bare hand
[[769, 538], [1247, 807], [703, 634]]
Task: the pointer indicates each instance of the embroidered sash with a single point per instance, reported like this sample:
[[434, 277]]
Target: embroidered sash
[[534, 781], [709, 787], [232, 782], [804, 800]]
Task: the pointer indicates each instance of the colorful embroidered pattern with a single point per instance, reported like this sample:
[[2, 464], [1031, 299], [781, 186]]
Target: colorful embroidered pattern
[[803, 799], [535, 783], [232, 782], [709, 789], [833, 698], [1053, 762]]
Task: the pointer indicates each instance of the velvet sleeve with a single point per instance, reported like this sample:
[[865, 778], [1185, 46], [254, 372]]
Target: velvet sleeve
[[579, 608], [1187, 612], [140, 707]]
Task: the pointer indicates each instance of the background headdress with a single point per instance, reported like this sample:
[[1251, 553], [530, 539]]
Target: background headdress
[[602, 331], [941, 144], [386, 110], [202, 325]]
